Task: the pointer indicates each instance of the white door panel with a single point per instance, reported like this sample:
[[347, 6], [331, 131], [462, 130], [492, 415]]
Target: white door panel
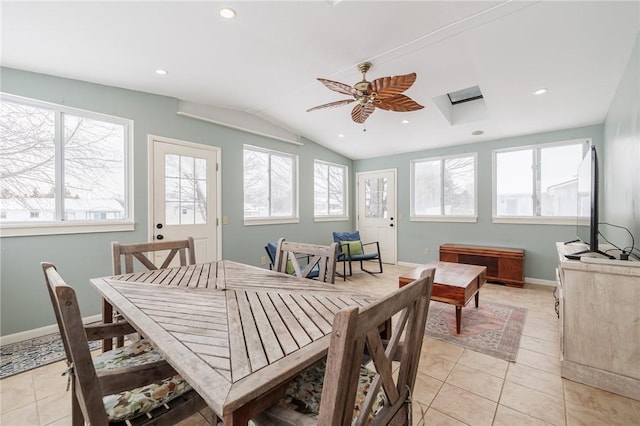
[[185, 199], [377, 211]]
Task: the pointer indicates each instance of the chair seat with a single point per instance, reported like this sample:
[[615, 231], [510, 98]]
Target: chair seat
[[129, 404], [137, 353], [304, 393], [364, 256], [133, 403]]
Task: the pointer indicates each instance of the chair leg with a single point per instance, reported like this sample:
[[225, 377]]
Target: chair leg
[[77, 419]]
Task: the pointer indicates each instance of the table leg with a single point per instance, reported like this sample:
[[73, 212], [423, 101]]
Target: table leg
[[477, 298], [107, 318], [458, 318]]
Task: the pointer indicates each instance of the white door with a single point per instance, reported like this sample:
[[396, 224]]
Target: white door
[[376, 218], [185, 192]]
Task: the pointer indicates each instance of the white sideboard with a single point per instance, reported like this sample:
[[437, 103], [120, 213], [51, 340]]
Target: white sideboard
[[599, 311]]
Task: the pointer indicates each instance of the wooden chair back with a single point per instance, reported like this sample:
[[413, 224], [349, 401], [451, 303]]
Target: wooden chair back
[[356, 333], [324, 257], [140, 251], [184, 248], [90, 386]]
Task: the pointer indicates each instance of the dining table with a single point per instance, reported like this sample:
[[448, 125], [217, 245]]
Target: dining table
[[237, 333]]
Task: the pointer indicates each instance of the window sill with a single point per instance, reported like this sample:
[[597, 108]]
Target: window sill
[[467, 219], [49, 228], [270, 221], [536, 220], [331, 219]]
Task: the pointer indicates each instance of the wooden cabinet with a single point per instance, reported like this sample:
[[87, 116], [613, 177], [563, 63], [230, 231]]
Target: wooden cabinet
[[504, 265], [599, 307]]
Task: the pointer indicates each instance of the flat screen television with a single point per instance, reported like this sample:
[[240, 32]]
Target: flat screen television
[[587, 209]]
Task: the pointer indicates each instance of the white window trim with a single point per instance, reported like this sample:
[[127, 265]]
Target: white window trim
[[19, 229], [334, 218], [533, 220], [445, 218], [275, 220]]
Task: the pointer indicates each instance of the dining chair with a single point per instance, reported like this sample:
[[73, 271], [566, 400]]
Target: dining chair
[[321, 260], [351, 248], [272, 248], [184, 249], [344, 391], [129, 385]]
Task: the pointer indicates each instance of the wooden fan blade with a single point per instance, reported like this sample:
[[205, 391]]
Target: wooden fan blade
[[400, 103], [361, 113], [332, 104], [388, 86], [340, 87]]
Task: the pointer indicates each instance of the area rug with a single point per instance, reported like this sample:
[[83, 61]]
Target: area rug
[[493, 328], [33, 353]]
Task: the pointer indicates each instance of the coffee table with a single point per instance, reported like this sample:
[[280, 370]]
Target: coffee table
[[454, 283]]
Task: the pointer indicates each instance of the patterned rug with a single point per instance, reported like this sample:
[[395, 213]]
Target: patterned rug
[[23, 356], [493, 329]]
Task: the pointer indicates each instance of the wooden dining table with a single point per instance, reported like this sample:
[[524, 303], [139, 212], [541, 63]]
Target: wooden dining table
[[237, 333]]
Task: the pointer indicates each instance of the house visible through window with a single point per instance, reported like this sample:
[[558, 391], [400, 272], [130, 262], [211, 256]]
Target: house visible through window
[[61, 164], [444, 188], [270, 186], [330, 190], [538, 181]]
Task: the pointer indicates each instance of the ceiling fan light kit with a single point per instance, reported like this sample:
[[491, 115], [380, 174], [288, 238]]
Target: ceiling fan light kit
[[384, 93]]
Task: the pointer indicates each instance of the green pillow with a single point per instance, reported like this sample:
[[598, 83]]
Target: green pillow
[[290, 268], [355, 247]]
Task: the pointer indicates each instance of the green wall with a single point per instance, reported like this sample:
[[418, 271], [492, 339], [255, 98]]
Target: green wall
[[24, 301], [622, 160], [538, 240]]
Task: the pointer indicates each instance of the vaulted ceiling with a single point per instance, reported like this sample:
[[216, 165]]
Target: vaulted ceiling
[[261, 67]]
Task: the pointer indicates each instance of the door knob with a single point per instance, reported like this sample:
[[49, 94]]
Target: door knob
[[159, 226], [391, 225], [159, 237]]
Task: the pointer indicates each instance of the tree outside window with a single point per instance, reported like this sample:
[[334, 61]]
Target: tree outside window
[[269, 184], [443, 187], [61, 165], [330, 190]]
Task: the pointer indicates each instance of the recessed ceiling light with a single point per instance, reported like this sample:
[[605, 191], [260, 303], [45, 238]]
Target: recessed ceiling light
[[405, 121], [540, 91], [477, 132], [162, 72], [227, 13], [341, 135]]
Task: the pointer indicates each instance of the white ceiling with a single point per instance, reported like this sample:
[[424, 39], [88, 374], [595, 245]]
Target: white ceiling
[[265, 61]]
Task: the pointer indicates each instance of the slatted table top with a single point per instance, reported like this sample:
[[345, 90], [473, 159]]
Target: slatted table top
[[234, 331]]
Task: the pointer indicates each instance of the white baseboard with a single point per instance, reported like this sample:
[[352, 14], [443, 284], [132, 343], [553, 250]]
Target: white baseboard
[[539, 281], [39, 332]]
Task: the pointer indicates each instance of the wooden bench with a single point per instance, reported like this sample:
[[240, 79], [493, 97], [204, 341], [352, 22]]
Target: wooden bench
[[504, 265]]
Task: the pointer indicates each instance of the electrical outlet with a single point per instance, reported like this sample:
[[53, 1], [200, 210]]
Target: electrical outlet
[[426, 252], [263, 260]]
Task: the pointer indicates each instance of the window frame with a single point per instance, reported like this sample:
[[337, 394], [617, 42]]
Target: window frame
[[272, 220], [59, 225], [444, 217], [345, 194], [547, 220]]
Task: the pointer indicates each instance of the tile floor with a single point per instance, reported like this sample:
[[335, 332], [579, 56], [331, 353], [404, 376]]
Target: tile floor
[[454, 386]]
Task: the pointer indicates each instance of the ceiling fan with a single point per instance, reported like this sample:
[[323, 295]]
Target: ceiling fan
[[384, 93]]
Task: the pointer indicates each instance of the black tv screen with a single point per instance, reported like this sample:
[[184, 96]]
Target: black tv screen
[[587, 220], [587, 215]]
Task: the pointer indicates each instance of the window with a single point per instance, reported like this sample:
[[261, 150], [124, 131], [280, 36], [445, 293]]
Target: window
[[270, 186], [444, 188], [538, 182], [62, 168], [330, 190]]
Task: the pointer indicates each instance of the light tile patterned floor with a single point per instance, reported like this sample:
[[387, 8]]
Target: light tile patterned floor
[[454, 386]]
